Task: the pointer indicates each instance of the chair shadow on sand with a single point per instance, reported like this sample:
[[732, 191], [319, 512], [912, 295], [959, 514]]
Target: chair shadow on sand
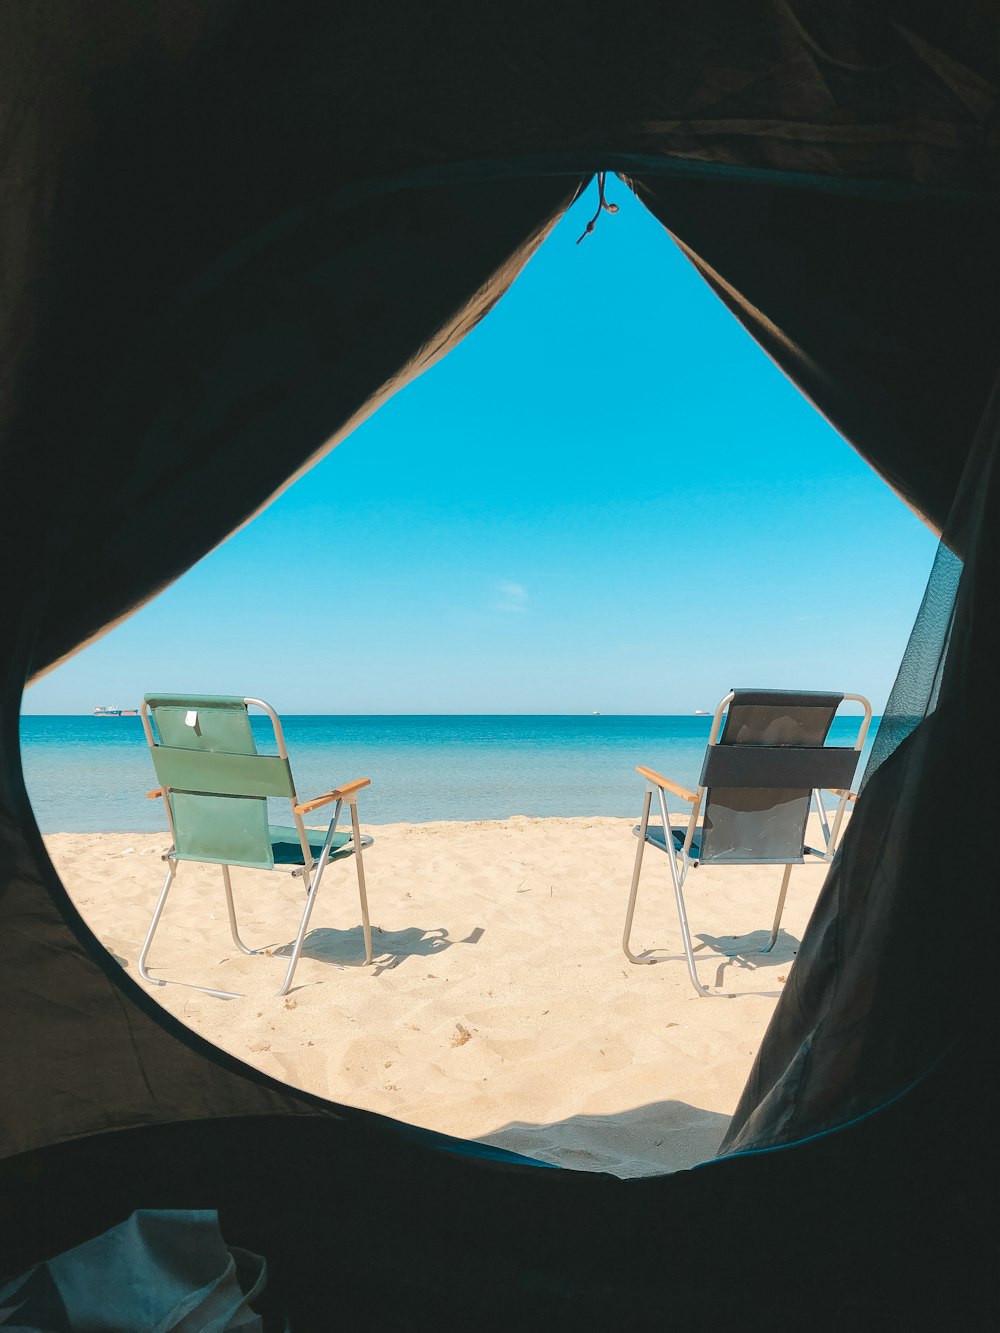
[[649, 1140], [742, 953], [345, 948]]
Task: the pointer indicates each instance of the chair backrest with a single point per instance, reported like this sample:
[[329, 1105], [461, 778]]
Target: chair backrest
[[762, 764], [215, 784]]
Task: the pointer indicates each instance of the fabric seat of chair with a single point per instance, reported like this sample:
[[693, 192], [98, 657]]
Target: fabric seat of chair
[[288, 850], [654, 834]]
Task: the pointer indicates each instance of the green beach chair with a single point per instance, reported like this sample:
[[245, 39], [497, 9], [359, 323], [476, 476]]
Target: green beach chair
[[766, 759], [215, 786]]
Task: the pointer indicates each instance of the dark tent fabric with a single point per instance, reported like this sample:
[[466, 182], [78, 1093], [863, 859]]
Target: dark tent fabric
[[856, 1024], [230, 232], [854, 297], [249, 373]]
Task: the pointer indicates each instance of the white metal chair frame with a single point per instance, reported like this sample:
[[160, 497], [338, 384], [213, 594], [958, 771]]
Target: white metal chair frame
[[311, 869], [681, 860]]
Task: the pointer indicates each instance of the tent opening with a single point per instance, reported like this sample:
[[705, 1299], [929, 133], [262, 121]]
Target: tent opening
[[542, 563]]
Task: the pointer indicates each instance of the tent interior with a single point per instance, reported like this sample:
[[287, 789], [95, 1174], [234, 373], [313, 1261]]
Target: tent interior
[[231, 233]]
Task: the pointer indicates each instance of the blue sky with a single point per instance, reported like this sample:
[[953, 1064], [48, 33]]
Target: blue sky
[[606, 499]]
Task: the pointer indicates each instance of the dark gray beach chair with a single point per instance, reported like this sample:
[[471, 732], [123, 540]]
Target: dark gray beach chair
[[215, 787], [766, 759]]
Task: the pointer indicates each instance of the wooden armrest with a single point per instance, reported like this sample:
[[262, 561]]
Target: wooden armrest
[[658, 780], [152, 795], [345, 793], [839, 791]]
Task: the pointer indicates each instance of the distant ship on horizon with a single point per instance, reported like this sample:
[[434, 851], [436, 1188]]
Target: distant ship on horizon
[[105, 710], [702, 712]]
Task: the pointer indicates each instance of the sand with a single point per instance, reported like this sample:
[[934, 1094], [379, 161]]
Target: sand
[[500, 1006]]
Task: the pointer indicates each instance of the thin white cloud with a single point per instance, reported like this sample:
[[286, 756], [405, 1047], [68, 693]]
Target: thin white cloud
[[509, 596]]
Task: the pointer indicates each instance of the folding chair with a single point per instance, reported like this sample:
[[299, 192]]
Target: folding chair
[[215, 787], [766, 759]]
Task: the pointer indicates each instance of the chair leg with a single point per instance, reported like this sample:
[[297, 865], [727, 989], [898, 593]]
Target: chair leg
[[633, 891], [304, 923], [144, 951], [232, 916], [778, 910], [838, 821], [688, 945], [314, 889], [678, 896], [824, 823], [678, 878], [362, 891]]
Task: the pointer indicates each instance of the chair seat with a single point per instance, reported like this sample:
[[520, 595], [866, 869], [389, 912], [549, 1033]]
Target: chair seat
[[288, 849], [654, 835]]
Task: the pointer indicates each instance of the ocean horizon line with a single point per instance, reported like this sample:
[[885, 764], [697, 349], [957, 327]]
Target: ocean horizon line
[[92, 773], [286, 713]]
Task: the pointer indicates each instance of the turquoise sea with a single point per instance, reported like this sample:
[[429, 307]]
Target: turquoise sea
[[90, 774]]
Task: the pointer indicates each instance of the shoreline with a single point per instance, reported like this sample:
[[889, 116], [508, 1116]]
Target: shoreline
[[500, 1006]]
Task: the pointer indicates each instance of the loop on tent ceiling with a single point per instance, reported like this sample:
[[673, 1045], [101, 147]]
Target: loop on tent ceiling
[[602, 205]]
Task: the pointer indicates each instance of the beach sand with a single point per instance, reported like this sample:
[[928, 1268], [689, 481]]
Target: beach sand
[[500, 1006]]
